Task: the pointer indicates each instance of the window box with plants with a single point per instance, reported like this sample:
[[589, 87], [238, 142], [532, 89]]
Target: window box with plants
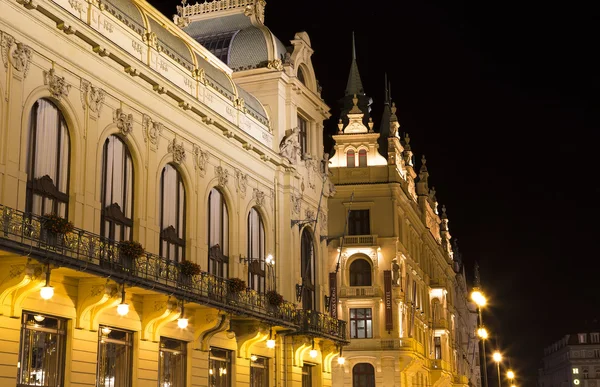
[[188, 270], [129, 252], [55, 227], [274, 299]]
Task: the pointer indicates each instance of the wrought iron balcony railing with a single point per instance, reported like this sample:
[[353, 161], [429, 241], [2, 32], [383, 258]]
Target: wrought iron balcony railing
[[84, 251]]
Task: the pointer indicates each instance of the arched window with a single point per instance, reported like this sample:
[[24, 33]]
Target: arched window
[[307, 254], [218, 234], [117, 190], [362, 158], [350, 162], [360, 273], [256, 252], [172, 214], [363, 375], [301, 76], [48, 161]]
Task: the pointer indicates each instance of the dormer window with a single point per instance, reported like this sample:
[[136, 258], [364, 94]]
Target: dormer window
[[362, 158], [301, 76], [350, 159]]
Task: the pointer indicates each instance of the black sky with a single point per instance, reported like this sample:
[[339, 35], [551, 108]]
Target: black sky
[[503, 99]]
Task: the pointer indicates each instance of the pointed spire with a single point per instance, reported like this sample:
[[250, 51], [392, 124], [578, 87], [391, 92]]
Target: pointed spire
[[388, 95], [354, 85], [476, 279], [353, 47]]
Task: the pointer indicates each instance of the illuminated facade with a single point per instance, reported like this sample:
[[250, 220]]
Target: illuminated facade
[[574, 360], [395, 277], [199, 139]]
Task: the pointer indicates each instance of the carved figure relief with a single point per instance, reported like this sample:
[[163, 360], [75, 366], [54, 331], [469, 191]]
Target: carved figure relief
[[92, 97], [20, 58], [310, 214], [57, 85], [222, 176], [259, 196], [200, 159], [296, 203], [124, 121], [289, 147], [241, 182], [152, 130], [177, 151]]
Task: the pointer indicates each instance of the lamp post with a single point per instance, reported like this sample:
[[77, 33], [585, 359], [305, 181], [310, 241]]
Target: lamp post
[[511, 376], [497, 356], [480, 300]]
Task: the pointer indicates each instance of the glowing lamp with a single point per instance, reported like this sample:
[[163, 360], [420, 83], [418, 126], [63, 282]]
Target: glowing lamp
[[478, 298], [123, 309], [253, 357], [270, 343], [497, 356], [482, 332], [47, 292], [182, 323], [341, 360], [313, 353], [39, 318], [510, 374]]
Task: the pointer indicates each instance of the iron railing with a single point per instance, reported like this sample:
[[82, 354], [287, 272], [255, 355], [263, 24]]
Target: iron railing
[[84, 251]]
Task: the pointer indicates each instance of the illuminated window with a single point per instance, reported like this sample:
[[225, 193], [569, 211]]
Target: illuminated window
[[582, 338], [361, 323], [360, 273], [172, 214], [438, 347], [219, 367], [48, 161], [256, 252], [363, 375], [218, 234], [350, 159], [172, 363], [575, 371], [576, 382], [362, 158], [303, 134], [41, 351], [218, 44], [359, 222], [259, 372], [595, 337], [307, 265], [114, 357], [117, 190], [307, 375]]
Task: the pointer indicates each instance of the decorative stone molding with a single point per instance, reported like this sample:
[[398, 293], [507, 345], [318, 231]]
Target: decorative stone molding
[[20, 58], [124, 121], [92, 97], [296, 203], [57, 85], [6, 41], [241, 180], [259, 197], [200, 158], [222, 175], [152, 130], [310, 214], [275, 64], [323, 220], [289, 147], [177, 151]]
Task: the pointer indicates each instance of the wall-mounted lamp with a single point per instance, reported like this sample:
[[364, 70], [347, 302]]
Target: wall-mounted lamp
[[299, 289], [123, 307], [47, 292], [182, 322], [271, 341], [270, 260], [313, 352], [341, 358], [327, 301]]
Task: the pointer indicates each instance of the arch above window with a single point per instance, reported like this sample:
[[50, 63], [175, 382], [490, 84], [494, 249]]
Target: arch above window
[[360, 273], [362, 158], [350, 159], [363, 375]]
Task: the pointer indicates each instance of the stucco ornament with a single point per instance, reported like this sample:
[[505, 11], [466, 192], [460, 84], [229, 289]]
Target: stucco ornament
[[241, 180], [289, 147], [124, 121], [177, 151], [21, 57], [200, 159], [57, 85], [152, 130], [259, 197], [92, 97], [296, 203], [310, 214], [222, 175]]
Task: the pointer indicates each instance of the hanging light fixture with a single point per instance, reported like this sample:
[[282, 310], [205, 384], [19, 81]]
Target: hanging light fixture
[[271, 341], [123, 307], [341, 358], [47, 292], [39, 318], [182, 322], [313, 352]]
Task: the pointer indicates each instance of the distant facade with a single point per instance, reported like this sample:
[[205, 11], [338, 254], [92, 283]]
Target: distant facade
[[200, 139], [394, 276], [573, 360]]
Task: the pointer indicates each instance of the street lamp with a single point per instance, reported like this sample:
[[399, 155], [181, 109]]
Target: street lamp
[[497, 356], [479, 299]]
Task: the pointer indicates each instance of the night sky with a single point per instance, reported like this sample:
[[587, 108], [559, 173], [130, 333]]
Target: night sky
[[502, 98]]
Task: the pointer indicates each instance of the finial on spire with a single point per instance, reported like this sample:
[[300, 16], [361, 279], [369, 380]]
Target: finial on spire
[[353, 47], [340, 126], [355, 109], [371, 124]]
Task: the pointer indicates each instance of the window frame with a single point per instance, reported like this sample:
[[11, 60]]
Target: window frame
[[359, 221], [308, 270], [308, 374], [170, 234], [218, 259], [303, 137], [256, 265], [163, 353], [354, 321], [362, 158], [355, 275], [361, 377], [103, 347], [261, 363], [351, 158], [214, 360]]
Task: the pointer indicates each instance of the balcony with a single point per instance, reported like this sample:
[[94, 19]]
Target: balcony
[[360, 240], [83, 251]]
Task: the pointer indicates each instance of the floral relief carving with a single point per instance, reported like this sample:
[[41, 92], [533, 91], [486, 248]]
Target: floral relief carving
[[92, 97], [259, 196], [57, 85], [177, 150], [124, 121], [241, 182], [152, 130], [200, 159], [6, 41], [21, 58], [222, 176]]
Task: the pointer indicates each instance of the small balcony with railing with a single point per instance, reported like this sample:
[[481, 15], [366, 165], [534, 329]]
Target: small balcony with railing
[[82, 251], [359, 240]]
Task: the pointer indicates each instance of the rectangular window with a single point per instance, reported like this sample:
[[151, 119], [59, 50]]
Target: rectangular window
[[114, 357], [359, 222], [219, 367], [581, 338], [595, 337], [41, 351], [307, 375], [259, 371], [172, 363], [361, 323], [437, 341], [597, 353], [303, 135]]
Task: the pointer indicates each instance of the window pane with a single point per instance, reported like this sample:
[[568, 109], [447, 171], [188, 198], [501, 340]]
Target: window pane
[[172, 363], [114, 357], [259, 372], [219, 367]]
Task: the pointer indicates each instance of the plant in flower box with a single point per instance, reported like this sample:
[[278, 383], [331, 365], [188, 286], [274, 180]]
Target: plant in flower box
[[56, 224], [129, 251], [274, 298], [236, 285]]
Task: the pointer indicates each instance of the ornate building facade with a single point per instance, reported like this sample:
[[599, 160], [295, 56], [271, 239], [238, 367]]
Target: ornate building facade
[[394, 275], [147, 168]]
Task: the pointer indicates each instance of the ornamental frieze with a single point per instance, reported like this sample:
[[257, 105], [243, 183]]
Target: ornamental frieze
[[200, 159], [152, 130], [15, 53], [57, 86], [124, 121], [177, 151], [92, 97], [222, 175]]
